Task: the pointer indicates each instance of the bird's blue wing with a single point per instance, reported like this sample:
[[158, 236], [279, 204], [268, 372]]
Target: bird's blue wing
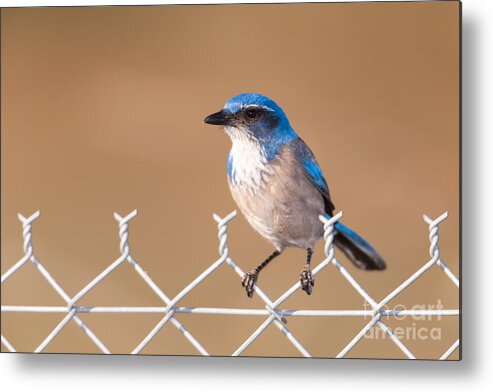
[[355, 247], [312, 169]]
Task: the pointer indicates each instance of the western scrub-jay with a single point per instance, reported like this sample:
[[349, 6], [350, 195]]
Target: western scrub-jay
[[279, 187]]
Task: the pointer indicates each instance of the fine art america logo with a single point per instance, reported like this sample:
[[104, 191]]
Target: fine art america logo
[[418, 330]]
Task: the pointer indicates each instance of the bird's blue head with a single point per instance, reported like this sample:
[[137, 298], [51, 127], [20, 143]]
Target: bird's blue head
[[254, 117]]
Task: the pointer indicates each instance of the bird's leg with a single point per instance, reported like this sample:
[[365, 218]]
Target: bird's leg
[[306, 277], [250, 278]]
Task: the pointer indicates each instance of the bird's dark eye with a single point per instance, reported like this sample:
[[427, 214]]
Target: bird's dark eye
[[252, 114]]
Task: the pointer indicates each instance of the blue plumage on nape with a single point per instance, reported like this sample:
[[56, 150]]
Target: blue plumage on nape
[[279, 187]]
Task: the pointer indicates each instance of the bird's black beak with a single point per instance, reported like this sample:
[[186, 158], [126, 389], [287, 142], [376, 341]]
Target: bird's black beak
[[220, 118]]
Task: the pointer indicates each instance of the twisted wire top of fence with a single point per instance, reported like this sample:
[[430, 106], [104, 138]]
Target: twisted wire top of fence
[[275, 314]]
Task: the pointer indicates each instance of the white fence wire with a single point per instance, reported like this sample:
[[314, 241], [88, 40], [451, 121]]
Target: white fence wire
[[275, 314]]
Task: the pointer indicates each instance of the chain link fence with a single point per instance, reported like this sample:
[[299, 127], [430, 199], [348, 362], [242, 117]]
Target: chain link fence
[[273, 310]]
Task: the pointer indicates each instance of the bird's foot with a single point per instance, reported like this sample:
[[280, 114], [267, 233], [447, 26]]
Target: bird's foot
[[248, 282], [306, 280]]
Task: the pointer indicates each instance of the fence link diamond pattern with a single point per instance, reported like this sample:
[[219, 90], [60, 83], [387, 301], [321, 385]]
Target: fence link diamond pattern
[[273, 310]]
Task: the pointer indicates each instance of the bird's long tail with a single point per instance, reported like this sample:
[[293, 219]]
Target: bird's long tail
[[357, 249]]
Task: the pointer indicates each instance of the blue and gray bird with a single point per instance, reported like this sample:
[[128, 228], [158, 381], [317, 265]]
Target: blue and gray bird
[[279, 187]]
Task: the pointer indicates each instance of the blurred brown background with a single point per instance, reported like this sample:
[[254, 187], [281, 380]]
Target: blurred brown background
[[102, 111]]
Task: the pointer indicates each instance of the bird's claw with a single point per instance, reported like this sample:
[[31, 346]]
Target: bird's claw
[[248, 282], [306, 280]]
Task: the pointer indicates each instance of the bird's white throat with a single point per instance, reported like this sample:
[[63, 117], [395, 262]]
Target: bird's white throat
[[248, 160]]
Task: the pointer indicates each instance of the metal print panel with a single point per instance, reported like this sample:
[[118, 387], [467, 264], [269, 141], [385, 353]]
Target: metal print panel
[[274, 180]]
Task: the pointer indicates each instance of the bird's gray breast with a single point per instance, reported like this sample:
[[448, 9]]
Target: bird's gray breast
[[284, 206]]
